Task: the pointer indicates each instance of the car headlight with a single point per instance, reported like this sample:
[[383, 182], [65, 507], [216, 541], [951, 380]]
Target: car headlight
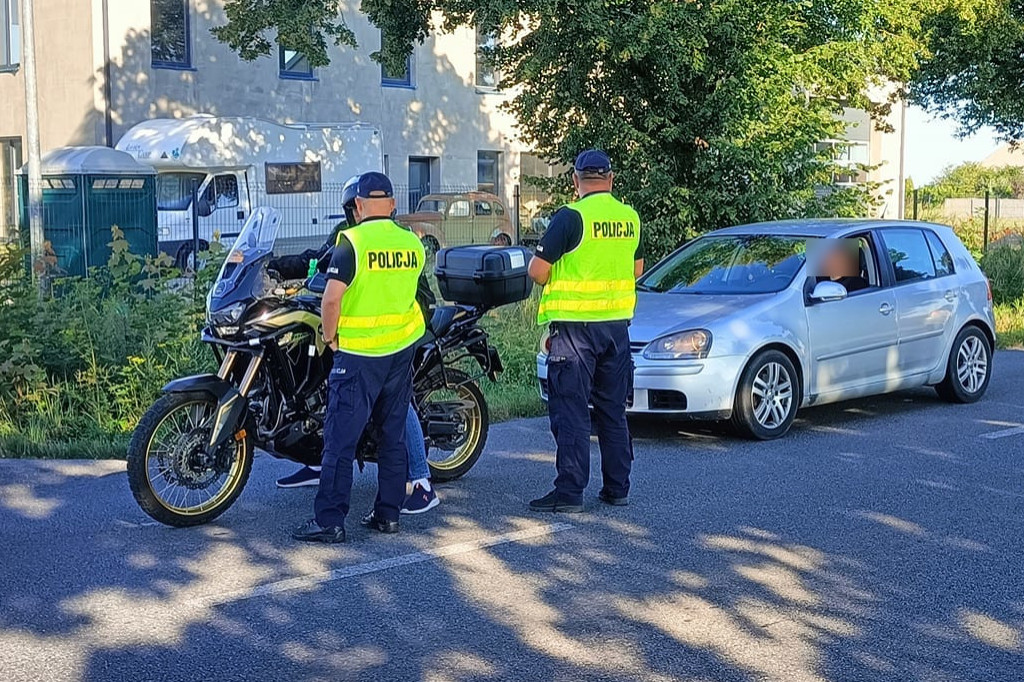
[[694, 344]]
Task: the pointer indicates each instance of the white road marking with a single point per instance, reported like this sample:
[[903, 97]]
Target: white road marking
[[309, 581], [1015, 431]]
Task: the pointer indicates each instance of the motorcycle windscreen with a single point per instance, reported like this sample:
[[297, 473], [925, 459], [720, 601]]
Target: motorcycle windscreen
[[241, 277]]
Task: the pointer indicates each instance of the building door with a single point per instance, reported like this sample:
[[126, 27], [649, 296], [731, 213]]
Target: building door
[[10, 162], [419, 179]]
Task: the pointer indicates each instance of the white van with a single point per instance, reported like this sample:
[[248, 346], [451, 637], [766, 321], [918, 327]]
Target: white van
[[238, 164]]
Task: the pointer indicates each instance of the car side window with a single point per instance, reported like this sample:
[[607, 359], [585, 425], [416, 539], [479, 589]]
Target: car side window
[[482, 208], [459, 209], [910, 255], [498, 209], [940, 255]]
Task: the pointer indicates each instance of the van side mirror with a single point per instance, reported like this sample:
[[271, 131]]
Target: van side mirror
[[828, 291]]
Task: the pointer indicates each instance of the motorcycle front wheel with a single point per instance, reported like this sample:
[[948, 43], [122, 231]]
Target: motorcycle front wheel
[[171, 475], [458, 413]]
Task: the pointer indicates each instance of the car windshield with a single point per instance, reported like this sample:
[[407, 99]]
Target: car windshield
[[733, 264], [435, 205], [174, 190]]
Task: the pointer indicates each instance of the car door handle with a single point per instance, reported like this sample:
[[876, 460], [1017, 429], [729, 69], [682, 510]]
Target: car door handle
[[885, 309], [950, 295]]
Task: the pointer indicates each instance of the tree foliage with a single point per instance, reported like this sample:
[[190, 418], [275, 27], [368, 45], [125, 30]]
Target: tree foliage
[[974, 180], [974, 71], [710, 109]]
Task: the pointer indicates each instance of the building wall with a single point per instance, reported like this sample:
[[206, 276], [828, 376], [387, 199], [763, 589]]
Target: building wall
[[443, 115], [66, 77]]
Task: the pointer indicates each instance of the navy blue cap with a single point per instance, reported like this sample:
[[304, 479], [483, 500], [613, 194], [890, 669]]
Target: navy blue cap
[[593, 161], [374, 185]]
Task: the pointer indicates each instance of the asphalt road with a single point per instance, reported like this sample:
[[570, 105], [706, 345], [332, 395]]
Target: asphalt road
[[882, 540]]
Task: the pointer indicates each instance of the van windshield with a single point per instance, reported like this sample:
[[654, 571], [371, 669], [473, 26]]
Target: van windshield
[[174, 190]]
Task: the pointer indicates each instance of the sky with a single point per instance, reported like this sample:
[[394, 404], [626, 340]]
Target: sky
[[932, 145]]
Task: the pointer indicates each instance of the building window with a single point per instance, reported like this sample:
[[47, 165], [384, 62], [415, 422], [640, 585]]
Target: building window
[[401, 79], [294, 65], [170, 34], [488, 172], [486, 75], [851, 156], [293, 178], [10, 34]]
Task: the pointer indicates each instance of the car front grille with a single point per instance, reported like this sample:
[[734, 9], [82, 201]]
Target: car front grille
[[637, 347]]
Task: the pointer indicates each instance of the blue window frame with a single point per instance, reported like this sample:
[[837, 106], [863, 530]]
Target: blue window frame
[[171, 34], [396, 80], [293, 65], [10, 35]]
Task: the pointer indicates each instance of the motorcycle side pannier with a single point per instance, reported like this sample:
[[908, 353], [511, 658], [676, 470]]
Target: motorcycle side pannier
[[484, 275]]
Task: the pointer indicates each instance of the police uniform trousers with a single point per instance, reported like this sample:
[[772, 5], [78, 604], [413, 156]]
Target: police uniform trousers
[[360, 390], [590, 364]]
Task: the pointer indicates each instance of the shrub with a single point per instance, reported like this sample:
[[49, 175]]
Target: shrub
[[1004, 266], [84, 363]]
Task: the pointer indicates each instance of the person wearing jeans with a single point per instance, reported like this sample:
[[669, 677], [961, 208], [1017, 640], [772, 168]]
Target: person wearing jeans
[[423, 497]]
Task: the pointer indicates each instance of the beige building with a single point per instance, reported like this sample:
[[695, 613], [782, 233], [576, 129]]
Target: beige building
[[105, 65]]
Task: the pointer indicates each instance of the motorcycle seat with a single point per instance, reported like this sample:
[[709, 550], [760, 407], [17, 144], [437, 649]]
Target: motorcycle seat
[[442, 319]]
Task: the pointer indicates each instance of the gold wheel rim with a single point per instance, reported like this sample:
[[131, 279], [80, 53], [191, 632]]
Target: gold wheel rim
[[227, 488], [474, 425]]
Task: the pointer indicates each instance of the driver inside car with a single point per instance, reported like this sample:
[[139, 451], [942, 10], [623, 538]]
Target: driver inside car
[[422, 496]]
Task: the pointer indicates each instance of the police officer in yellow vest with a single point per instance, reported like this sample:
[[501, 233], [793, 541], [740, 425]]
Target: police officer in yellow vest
[[371, 321], [588, 261]]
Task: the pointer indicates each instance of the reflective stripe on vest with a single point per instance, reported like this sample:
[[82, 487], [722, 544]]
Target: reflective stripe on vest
[[379, 314], [595, 282]]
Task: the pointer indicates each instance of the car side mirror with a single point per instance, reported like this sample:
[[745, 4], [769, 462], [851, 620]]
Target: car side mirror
[[828, 291]]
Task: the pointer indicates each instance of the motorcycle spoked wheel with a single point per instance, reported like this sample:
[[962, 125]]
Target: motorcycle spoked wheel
[[170, 476], [462, 401]]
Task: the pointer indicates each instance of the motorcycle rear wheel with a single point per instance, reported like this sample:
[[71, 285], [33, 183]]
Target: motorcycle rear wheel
[[473, 420], [169, 475]]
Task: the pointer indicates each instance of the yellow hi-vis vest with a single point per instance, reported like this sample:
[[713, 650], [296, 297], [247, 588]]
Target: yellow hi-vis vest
[[379, 314], [595, 281]]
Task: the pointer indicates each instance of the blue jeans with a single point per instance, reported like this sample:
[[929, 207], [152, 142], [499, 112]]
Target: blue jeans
[[417, 449]]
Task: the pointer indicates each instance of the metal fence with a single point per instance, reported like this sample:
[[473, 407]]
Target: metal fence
[[442, 215], [979, 221]]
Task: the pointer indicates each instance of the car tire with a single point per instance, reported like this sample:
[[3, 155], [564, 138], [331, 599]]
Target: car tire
[[768, 396], [430, 245], [968, 368]]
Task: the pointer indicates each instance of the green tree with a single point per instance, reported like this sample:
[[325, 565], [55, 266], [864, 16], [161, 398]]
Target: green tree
[[974, 71], [974, 180], [710, 109]]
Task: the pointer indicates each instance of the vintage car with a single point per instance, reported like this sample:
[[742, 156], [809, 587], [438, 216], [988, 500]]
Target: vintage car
[[455, 219]]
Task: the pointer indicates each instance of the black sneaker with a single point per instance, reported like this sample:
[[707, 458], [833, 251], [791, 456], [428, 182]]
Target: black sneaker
[[371, 521], [553, 503], [613, 500], [303, 477], [420, 501], [311, 531]]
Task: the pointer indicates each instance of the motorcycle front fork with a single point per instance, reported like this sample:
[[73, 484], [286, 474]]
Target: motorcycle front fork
[[248, 377]]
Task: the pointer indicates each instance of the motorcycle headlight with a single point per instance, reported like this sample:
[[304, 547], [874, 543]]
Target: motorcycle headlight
[[225, 320], [691, 344]]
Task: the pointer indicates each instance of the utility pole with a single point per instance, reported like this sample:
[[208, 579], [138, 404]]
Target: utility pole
[[35, 171]]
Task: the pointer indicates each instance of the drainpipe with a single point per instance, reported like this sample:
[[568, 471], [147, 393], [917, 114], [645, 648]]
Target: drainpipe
[[108, 118]]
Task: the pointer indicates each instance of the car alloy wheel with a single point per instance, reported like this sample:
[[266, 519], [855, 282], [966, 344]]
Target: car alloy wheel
[[772, 395], [972, 364]]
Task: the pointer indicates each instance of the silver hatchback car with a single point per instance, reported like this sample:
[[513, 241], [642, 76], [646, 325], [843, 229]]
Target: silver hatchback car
[[749, 324]]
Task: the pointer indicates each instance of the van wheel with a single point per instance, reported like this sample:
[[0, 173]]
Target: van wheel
[[968, 368], [768, 396], [185, 261]]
